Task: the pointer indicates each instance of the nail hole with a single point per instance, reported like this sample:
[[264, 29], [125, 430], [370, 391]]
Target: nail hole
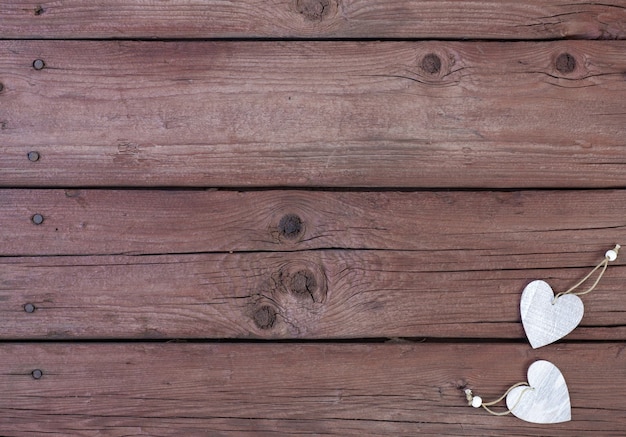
[[39, 10], [290, 226], [29, 308], [565, 63], [37, 219], [1, 87], [39, 64], [265, 317], [33, 156], [37, 374], [431, 64]]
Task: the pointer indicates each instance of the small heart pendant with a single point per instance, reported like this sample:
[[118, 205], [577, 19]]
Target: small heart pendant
[[546, 320], [545, 400]]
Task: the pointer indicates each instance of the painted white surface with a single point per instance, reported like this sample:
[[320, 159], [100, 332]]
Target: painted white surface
[[544, 321], [547, 402]]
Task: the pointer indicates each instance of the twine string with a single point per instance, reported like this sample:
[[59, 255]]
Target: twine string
[[603, 265], [486, 405]]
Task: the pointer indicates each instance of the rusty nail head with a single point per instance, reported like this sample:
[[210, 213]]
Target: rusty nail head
[[38, 64], [29, 308], [37, 219], [37, 374], [33, 156]]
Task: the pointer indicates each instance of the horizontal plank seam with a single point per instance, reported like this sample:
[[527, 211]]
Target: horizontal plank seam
[[314, 39], [313, 188], [327, 341], [289, 252]]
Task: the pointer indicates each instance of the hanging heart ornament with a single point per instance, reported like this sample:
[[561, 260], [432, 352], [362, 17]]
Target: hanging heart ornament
[[545, 399], [545, 319]]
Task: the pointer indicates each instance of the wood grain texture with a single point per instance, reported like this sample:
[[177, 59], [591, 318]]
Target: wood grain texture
[[379, 389], [334, 114], [295, 295], [460, 19], [518, 229]]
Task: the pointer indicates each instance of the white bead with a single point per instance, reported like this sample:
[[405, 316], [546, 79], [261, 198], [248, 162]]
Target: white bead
[[477, 401], [611, 255]]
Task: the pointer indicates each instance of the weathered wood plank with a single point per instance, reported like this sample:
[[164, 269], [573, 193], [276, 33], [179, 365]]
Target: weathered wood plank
[[512, 227], [313, 114], [499, 19], [321, 389], [306, 295]]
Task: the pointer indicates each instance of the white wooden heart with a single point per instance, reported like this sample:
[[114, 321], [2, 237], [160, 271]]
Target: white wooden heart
[[544, 321], [547, 399]]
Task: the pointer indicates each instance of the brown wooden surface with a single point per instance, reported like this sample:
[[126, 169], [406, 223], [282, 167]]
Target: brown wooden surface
[[305, 295], [174, 297], [376, 389], [480, 230], [461, 19], [336, 114]]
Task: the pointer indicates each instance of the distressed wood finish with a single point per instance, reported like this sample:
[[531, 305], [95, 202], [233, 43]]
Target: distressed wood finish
[[191, 190], [345, 114], [304, 295], [487, 229], [460, 19], [342, 390]]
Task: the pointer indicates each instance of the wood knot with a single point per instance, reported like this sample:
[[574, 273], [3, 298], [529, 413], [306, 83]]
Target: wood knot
[[303, 284], [304, 280], [291, 227], [431, 63], [264, 317], [565, 63], [460, 384], [315, 10], [289, 301]]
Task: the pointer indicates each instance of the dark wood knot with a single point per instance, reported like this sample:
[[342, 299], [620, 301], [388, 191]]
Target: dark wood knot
[[431, 63], [565, 63], [264, 317], [315, 10], [291, 227], [303, 284], [304, 280]]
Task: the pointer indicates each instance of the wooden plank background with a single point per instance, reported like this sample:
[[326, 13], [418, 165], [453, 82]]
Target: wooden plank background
[[317, 295], [314, 114], [289, 389], [466, 229], [458, 19], [305, 216]]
